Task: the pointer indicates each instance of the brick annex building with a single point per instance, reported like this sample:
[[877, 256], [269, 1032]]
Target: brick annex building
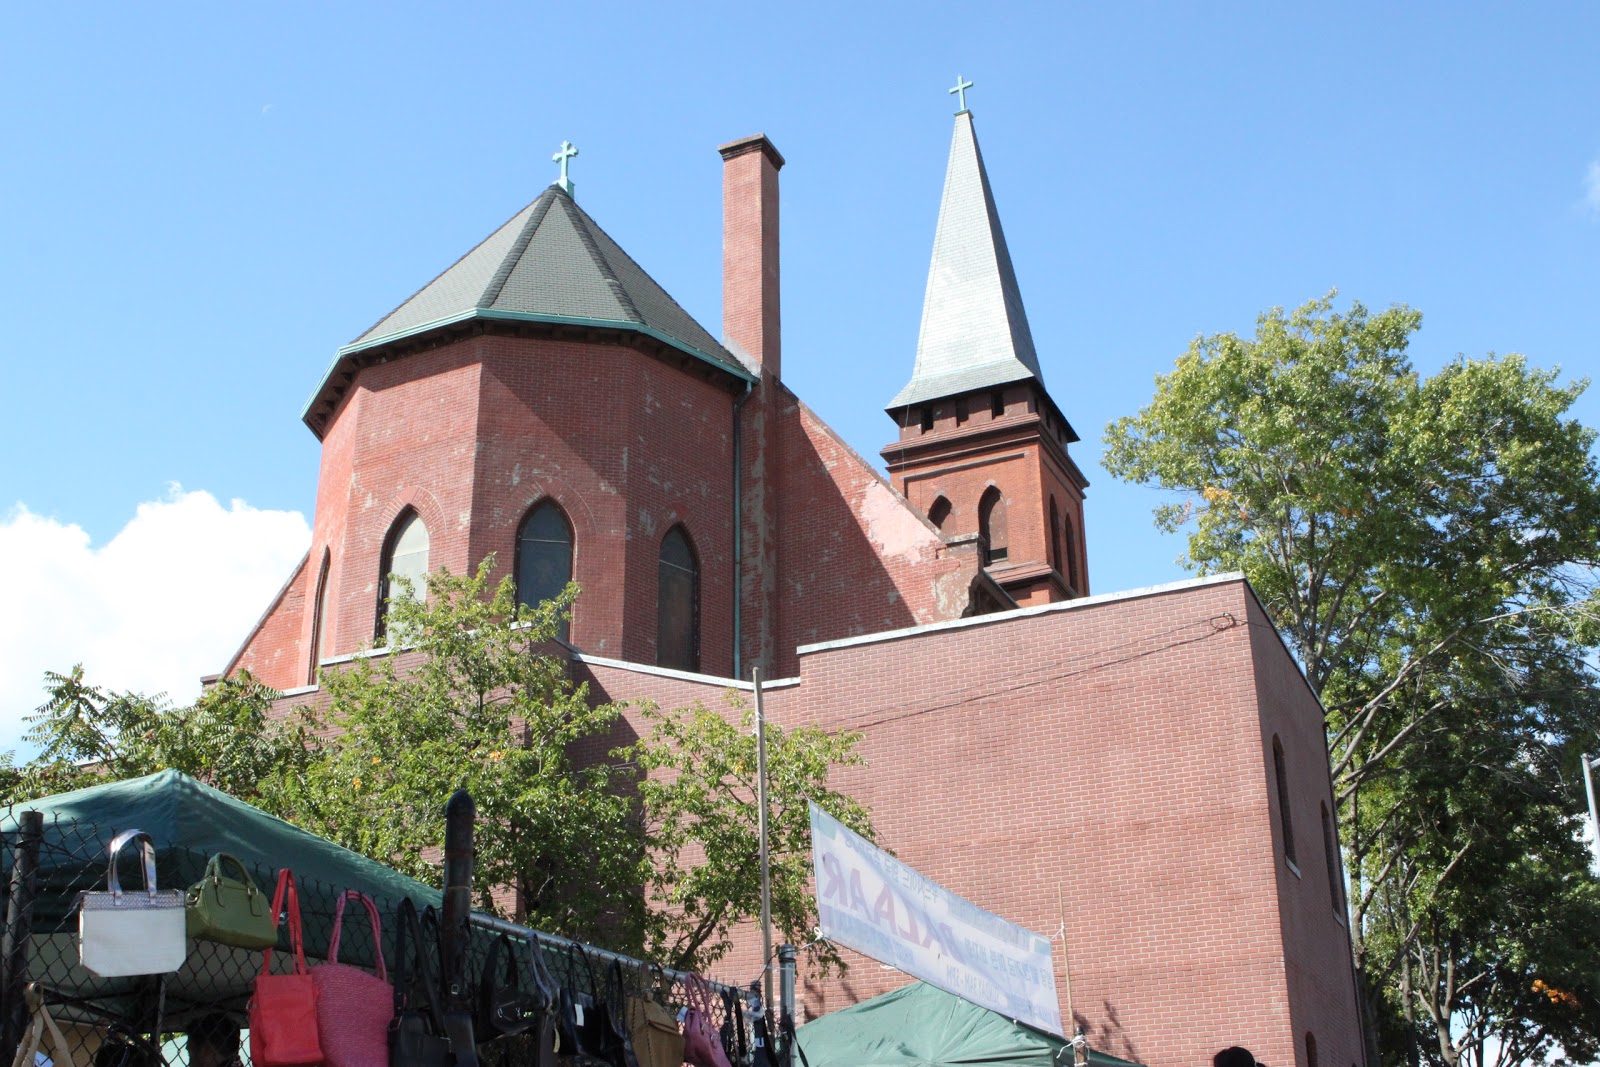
[[1144, 772]]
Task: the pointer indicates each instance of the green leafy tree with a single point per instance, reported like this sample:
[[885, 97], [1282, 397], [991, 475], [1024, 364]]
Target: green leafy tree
[[85, 734], [1428, 547], [475, 702], [701, 826]]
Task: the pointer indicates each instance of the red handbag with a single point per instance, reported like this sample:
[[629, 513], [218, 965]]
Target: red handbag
[[702, 1042], [283, 1008], [354, 1006]]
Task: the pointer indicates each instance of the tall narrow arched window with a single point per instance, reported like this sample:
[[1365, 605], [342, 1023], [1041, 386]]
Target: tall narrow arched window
[[1311, 1049], [544, 557], [992, 526], [1330, 849], [1055, 538], [1069, 550], [405, 555], [678, 604], [1282, 777], [319, 621], [939, 512]]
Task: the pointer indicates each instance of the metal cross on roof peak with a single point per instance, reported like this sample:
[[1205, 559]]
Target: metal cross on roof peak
[[960, 92], [567, 151]]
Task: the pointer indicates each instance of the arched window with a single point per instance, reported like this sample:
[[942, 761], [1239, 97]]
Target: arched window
[[939, 512], [1311, 1049], [1069, 549], [1330, 848], [992, 526], [544, 557], [405, 555], [1055, 537], [1282, 777], [319, 621], [678, 604]]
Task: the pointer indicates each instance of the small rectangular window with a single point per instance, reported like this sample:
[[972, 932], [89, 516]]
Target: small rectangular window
[[961, 410], [997, 404], [926, 415]]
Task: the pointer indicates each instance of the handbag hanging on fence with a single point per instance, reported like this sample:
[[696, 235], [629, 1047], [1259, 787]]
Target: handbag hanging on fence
[[283, 1008], [228, 907], [416, 1035], [702, 1043], [354, 1006], [657, 1041], [580, 1022], [135, 932], [547, 1039], [619, 1044], [40, 1023], [504, 1007]]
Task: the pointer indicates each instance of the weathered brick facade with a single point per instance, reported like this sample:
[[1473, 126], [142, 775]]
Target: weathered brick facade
[[1098, 768]]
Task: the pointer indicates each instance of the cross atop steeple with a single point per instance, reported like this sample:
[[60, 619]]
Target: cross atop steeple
[[960, 92], [567, 151]]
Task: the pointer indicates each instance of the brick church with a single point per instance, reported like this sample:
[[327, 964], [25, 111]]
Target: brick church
[[1142, 774]]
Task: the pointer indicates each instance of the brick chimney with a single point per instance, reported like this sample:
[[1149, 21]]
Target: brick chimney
[[750, 316]]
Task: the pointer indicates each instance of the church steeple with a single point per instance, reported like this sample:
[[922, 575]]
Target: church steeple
[[974, 328], [983, 448]]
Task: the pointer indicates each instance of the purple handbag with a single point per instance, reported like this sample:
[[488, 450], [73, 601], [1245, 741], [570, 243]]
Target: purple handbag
[[354, 1006], [702, 1042]]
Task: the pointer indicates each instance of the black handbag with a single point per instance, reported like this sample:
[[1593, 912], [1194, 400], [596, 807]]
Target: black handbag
[[583, 1026], [546, 1038], [504, 1007], [619, 1050], [416, 1036]]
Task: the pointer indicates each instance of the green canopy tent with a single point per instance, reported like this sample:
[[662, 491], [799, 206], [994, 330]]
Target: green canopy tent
[[921, 1025], [189, 822]]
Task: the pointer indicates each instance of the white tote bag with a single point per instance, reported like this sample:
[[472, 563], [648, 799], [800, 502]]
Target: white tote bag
[[142, 931]]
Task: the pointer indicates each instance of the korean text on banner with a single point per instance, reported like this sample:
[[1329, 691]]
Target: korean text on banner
[[873, 903]]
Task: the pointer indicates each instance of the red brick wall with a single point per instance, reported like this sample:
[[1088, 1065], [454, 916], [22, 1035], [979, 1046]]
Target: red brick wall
[[1316, 940], [273, 649], [853, 557], [1099, 766]]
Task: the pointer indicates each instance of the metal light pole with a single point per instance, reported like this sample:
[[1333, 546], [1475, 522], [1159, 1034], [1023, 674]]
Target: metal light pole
[[1594, 818], [761, 830]]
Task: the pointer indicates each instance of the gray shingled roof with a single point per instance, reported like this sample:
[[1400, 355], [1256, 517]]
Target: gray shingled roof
[[550, 263], [974, 329]]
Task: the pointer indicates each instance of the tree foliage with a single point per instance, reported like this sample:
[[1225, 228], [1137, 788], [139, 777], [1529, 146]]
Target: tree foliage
[[644, 846], [1428, 546], [700, 823]]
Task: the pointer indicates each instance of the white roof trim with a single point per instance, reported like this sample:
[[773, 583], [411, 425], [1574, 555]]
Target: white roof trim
[[1017, 613], [684, 676]]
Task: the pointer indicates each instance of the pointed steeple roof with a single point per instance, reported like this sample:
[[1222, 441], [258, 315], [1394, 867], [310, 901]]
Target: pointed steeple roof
[[974, 329], [549, 263]]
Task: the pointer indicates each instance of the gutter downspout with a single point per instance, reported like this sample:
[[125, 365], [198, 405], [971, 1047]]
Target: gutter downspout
[[738, 524]]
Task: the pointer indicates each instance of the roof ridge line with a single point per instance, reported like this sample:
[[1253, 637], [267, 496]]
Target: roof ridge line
[[604, 266], [491, 292]]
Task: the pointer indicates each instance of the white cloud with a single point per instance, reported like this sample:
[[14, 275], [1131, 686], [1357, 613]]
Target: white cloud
[[1591, 189], [165, 601]]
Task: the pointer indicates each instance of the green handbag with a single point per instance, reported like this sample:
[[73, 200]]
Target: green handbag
[[230, 909]]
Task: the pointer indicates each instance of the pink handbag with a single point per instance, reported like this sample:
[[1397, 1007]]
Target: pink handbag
[[702, 1043], [354, 1006]]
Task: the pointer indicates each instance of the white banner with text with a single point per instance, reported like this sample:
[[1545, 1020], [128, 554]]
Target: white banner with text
[[873, 903]]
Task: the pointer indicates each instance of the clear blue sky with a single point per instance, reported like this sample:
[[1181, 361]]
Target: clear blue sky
[[200, 203]]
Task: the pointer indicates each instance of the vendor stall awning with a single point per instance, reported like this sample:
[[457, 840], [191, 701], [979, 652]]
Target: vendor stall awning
[[921, 1025]]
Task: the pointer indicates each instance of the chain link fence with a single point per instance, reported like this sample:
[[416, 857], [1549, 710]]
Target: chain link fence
[[196, 1016]]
